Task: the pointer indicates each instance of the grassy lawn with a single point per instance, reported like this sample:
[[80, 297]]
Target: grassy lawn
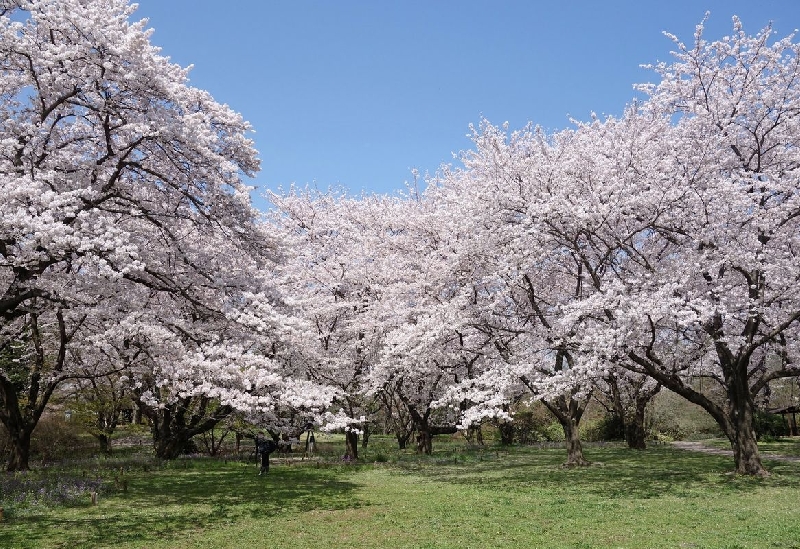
[[457, 498], [787, 446], [784, 446]]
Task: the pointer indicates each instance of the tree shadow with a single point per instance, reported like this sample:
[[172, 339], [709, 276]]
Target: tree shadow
[[203, 496], [616, 473]]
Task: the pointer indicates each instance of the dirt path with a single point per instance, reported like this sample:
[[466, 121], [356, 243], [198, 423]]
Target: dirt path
[[700, 447]]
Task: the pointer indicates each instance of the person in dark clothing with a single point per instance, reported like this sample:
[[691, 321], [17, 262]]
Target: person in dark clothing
[[264, 447]]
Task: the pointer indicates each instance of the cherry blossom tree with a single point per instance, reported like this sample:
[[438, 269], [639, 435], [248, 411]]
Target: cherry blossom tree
[[704, 232], [522, 261], [718, 285], [428, 344], [98, 401], [625, 395], [331, 277], [676, 225], [359, 279], [120, 181], [34, 360]]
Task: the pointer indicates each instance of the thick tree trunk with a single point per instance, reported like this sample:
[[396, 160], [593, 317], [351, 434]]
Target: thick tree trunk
[[636, 436], [351, 445], [746, 456], [105, 443], [573, 442], [20, 451], [740, 408], [171, 447], [19, 422], [635, 432], [424, 440], [743, 440], [174, 426], [569, 411], [506, 430]]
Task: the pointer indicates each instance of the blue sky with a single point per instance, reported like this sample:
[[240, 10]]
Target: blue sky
[[357, 93]]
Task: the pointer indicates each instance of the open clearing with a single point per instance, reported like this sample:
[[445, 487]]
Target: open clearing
[[458, 498]]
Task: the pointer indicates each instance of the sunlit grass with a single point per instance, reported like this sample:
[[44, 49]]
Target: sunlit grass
[[785, 446], [457, 498]]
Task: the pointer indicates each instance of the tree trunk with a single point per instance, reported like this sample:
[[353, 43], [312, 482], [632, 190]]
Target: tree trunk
[[424, 440], [171, 447], [746, 456], [740, 409], [629, 403], [174, 425], [635, 432], [402, 439], [351, 443], [506, 429], [20, 422], [22, 404], [573, 442], [743, 440], [365, 436], [735, 416], [474, 434], [568, 411], [424, 434], [105, 443], [20, 451]]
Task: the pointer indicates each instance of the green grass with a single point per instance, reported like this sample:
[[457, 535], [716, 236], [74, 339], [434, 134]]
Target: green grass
[[457, 498], [786, 446], [789, 446]]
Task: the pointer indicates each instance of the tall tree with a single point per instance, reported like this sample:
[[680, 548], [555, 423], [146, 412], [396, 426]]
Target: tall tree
[[331, 279], [626, 396], [712, 281], [522, 260], [115, 174]]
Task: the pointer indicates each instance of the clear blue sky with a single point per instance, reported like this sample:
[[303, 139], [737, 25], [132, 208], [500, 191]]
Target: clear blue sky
[[357, 93]]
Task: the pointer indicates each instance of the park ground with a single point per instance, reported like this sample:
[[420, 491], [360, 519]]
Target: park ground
[[462, 496]]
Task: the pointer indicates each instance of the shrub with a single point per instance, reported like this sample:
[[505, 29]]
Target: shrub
[[534, 423], [769, 426], [55, 439], [605, 428], [554, 433], [671, 417]]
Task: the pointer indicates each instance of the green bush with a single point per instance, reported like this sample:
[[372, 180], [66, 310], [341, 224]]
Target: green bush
[[769, 426], [672, 417], [554, 432], [533, 422], [605, 428], [55, 439]]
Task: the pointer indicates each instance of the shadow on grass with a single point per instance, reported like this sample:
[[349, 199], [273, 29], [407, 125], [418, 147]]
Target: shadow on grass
[[189, 496], [616, 473], [198, 494]]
